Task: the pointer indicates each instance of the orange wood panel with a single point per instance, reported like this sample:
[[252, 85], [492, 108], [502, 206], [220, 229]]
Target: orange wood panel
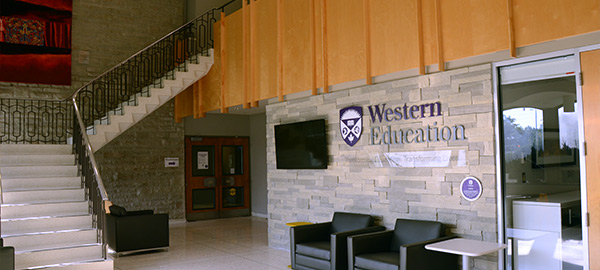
[[184, 104], [394, 36], [297, 49], [419, 12], [367, 30], [511, 28], [280, 50], [246, 54], [313, 43], [266, 49], [224, 67], [439, 36], [590, 67], [430, 53], [346, 44], [474, 27], [234, 60], [254, 97], [211, 83], [325, 46], [198, 105], [545, 20]]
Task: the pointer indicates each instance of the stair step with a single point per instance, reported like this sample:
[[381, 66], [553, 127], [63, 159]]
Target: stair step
[[36, 160], [107, 128], [44, 195], [16, 184], [38, 171], [107, 264], [28, 226], [51, 257], [17, 211], [142, 104], [62, 239], [36, 149]]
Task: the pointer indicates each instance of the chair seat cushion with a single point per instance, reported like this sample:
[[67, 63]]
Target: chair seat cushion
[[381, 260], [321, 250]]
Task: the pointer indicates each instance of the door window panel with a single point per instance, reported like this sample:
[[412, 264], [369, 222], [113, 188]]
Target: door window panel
[[233, 159], [541, 171]]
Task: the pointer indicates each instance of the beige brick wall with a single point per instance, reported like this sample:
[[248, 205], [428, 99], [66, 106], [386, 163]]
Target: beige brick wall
[[133, 169], [109, 31], [354, 183]]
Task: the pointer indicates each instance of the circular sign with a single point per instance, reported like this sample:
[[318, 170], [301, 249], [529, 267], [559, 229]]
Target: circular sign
[[470, 188], [232, 192]]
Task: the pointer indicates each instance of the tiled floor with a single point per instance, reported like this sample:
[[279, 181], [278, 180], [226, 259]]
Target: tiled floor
[[233, 243]]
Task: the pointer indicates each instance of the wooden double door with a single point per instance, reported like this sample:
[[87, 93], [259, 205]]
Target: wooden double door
[[217, 177]]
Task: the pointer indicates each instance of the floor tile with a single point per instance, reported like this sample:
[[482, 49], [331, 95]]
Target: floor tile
[[233, 243]]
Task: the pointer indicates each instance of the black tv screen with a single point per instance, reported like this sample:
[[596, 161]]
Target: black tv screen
[[301, 145]]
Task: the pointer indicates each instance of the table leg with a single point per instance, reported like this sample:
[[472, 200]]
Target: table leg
[[466, 262]]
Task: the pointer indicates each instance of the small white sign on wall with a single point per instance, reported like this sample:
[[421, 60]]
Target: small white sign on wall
[[171, 162]]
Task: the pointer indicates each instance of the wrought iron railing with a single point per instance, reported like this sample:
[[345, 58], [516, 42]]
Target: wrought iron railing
[[91, 181], [56, 122]]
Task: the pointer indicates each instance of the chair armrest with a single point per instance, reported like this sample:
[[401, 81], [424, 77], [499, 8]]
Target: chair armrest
[[307, 233], [7, 258], [310, 233], [140, 212], [339, 245], [415, 256], [368, 243]]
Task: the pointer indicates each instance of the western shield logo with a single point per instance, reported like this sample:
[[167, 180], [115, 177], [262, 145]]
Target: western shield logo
[[351, 124]]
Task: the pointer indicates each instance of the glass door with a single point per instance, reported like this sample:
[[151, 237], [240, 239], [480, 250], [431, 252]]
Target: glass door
[[217, 178], [541, 176]]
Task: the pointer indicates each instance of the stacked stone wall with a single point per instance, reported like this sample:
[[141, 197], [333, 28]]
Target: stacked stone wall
[[363, 178]]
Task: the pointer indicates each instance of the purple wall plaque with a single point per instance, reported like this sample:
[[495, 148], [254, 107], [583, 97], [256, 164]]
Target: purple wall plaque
[[470, 188]]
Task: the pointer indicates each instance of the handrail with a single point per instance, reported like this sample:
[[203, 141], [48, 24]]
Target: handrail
[[90, 152]]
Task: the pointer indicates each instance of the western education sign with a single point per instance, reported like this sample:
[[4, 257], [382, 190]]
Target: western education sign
[[381, 133]]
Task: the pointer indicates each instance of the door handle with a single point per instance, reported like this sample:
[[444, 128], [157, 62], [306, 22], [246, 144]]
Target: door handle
[[210, 182], [228, 181]]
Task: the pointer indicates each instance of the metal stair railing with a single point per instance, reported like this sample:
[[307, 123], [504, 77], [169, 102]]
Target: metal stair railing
[[57, 121]]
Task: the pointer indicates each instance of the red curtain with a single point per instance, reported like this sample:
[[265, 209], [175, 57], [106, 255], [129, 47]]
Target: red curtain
[[1, 30], [58, 35]]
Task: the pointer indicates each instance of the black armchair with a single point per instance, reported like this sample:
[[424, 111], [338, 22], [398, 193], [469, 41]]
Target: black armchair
[[7, 257], [130, 231], [323, 245], [401, 249]]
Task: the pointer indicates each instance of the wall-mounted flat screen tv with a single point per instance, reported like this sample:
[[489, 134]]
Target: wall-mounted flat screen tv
[[301, 145]]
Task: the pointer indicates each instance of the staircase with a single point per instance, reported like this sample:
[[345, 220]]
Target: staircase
[[139, 106], [45, 214]]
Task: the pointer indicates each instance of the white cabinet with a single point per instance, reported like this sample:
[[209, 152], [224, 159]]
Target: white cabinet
[[542, 215]]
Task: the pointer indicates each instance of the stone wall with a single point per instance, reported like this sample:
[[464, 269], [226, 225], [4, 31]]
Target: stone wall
[[364, 179], [133, 169], [104, 33]]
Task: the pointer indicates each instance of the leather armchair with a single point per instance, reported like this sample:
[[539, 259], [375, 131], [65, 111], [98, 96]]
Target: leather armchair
[[324, 245], [7, 257], [401, 249], [130, 231]]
